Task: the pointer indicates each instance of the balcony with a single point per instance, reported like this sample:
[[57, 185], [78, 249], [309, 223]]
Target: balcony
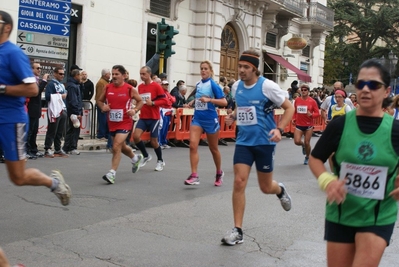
[[321, 15], [291, 7]]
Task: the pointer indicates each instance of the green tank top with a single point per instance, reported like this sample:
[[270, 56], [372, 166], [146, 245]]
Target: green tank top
[[370, 162]]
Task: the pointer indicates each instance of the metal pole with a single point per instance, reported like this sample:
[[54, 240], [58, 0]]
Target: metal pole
[[161, 59]]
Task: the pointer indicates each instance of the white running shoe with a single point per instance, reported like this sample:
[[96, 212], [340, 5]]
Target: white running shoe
[[109, 177], [285, 199], [232, 237], [63, 192], [136, 165], [160, 165]]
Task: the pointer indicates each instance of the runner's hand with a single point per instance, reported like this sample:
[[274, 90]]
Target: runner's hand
[[336, 192]]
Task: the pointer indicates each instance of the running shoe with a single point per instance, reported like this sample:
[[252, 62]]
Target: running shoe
[[233, 237], [192, 180], [160, 165], [305, 162], [63, 192], [74, 152], [31, 156], [109, 177], [39, 154], [60, 153], [285, 199], [145, 160], [165, 146], [219, 179], [303, 149], [49, 153], [136, 165]]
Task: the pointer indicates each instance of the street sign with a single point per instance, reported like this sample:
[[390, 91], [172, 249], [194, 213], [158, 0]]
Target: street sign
[[44, 51], [42, 39], [51, 16]]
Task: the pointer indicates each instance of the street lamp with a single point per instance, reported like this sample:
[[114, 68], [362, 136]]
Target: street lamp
[[392, 60]]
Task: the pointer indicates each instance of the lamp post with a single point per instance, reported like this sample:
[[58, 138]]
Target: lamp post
[[392, 60]]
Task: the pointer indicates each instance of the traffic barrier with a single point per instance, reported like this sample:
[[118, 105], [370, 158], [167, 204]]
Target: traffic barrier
[[179, 128]]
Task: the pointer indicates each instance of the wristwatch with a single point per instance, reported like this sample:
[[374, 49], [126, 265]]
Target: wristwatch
[[2, 89], [281, 131]]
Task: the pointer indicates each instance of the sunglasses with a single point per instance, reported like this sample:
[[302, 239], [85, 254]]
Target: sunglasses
[[372, 85], [60, 73], [38, 68], [304, 89]]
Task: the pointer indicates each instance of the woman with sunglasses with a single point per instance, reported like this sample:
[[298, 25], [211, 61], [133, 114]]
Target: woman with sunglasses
[[361, 207]]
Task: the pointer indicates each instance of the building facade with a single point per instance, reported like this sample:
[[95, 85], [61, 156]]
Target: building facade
[[104, 33]]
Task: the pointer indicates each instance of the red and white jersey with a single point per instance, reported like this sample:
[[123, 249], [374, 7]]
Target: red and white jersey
[[119, 100], [156, 94], [302, 107]]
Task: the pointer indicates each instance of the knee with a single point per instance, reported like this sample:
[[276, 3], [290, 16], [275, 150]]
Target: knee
[[265, 188], [239, 184], [298, 142], [17, 180]]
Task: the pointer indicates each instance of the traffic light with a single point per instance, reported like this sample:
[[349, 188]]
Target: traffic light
[[170, 32], [161, 36]]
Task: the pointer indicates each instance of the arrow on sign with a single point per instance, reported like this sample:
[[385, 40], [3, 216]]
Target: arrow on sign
[[65, 19], [22, 47], [21, 36], [65, 30], [66, 7]]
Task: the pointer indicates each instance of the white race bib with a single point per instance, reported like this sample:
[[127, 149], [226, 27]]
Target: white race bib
[[116, 115], [302, 109], [145, 96], [200, 105], [364, 180], [246, 116]]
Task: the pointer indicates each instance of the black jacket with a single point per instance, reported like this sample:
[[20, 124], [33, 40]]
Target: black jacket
[[88, 90], [74, 98], [35, 102]]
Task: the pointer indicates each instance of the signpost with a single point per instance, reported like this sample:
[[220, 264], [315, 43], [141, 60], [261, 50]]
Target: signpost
[[43, 30]]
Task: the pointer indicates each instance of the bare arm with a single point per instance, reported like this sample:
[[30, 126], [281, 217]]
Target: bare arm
[[23, 89]]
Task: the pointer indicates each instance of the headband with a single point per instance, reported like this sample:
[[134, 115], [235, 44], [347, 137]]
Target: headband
[[340, 92], [251, 59]]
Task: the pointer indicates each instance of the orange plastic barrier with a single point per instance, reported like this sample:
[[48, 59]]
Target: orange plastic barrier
[[319, 124]]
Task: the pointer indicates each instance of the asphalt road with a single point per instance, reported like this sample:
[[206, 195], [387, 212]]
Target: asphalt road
[[152, 219]]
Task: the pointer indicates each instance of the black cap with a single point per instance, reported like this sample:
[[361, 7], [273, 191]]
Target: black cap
[[6, 17], [163, 75], [75, 67]]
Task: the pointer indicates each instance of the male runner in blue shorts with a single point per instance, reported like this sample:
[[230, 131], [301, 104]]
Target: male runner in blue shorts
[[256, 97], [17, 81]]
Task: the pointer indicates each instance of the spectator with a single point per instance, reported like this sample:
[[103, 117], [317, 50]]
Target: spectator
[[180, 100], [102, 127], [88, 87], [35, 112], [163, 76], [74, 111], [175, 90], [166, 115]]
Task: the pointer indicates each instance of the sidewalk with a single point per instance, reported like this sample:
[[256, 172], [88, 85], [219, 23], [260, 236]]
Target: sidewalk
[[83, 144]]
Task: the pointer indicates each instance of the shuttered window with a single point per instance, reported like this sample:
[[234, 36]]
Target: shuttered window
[[271, 39], [160, 7], [306, 51]]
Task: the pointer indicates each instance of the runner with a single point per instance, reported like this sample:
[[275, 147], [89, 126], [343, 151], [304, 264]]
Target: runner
[[305, 110], [256, 97], [361, 207], [116, 100], [17, 81]]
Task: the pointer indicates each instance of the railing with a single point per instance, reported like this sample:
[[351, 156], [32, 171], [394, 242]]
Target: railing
[[321, 14], [295, 6]]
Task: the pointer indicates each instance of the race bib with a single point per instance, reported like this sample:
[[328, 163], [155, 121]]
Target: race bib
[[302, 109], [200, 105], [246, 116], [145, 96], [364, 180], [116, 115]]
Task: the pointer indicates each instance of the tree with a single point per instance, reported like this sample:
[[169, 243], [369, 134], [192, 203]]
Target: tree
[[363, 29]]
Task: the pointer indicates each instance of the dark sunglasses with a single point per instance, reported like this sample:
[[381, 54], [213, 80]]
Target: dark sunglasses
[[304, 89], [60, 73], [372, 85], [38, 68]]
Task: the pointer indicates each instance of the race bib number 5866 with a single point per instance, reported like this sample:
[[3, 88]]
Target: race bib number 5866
[[364, 180]]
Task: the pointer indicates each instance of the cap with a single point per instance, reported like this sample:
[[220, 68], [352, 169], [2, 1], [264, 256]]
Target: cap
[[75, 67], [165, 82], [162, 75]]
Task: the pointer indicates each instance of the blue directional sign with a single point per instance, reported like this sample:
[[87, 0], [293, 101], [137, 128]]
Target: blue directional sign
[[45, 16]]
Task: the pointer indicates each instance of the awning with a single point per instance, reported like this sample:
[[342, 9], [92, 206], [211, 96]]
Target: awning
[[301, 75]]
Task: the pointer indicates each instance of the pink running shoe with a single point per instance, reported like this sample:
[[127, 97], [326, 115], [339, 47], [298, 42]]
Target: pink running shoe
[[219, 179], [192, 180]]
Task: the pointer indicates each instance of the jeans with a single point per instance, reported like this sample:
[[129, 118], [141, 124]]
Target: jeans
[[55, 131], [102, 126]]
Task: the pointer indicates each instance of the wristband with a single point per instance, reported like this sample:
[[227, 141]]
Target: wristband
[[325, 178], [3, 89]]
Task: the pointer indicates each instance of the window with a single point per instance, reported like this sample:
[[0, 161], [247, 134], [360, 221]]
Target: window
[[271, 39], [306, 51], [160, 7], [304, 67]]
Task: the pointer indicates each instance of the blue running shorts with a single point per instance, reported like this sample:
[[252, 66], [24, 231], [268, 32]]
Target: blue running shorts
[[262, 155], [13, 140], [209, 126], [149, 125]]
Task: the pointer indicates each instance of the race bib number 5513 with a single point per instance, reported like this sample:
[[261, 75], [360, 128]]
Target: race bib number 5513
[[364, 180], [246, 116]]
